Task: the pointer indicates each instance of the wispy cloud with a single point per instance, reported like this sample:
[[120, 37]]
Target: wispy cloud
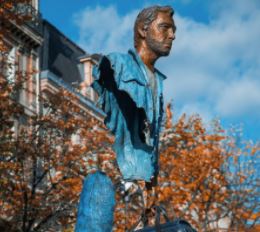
[[103, 30], [240, 98], [214, 67]]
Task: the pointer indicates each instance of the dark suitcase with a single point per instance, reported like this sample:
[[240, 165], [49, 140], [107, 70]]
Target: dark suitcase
[[178, 225], [175, 226]]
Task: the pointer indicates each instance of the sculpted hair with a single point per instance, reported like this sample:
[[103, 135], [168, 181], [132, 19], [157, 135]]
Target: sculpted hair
[[146, 17]]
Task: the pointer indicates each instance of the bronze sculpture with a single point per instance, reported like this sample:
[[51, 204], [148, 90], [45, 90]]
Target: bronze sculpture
[[130, 90]]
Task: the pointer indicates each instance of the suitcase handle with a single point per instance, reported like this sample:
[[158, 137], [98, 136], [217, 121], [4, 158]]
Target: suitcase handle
[[158, 211]]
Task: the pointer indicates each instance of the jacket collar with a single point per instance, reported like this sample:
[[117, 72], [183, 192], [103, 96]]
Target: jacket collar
[[141, 64]]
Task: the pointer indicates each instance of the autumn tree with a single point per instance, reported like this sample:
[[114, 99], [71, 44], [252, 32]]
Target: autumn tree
[[242, 170], [205, 177], [43, 156], [200, 179], [44, 160]]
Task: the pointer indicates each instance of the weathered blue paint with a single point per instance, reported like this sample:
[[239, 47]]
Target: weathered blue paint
[[96, 207], [121, 80]]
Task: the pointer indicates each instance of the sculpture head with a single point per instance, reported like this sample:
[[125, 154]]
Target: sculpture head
[[154, 30]]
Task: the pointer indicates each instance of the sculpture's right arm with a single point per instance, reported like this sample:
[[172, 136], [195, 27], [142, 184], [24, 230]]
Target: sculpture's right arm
[[105, 85]]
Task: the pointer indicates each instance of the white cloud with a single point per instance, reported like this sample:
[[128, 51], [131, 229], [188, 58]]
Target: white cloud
[[240, 97], [214, 67], [217, 63], [103, 30]]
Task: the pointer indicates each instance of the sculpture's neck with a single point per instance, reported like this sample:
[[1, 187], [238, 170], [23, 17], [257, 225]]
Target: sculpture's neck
[[148, 57]]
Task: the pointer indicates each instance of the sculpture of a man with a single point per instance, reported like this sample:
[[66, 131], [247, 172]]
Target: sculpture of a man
[[130, 90], [131, 95]]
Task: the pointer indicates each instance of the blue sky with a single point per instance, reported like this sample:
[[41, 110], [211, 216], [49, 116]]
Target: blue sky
[[214, 67]]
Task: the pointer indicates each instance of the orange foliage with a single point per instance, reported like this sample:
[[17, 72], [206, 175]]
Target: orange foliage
[[41, 167], [45, 158], [199, 180]]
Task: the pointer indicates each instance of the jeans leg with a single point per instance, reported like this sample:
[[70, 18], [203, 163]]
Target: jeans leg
[[96, 206]]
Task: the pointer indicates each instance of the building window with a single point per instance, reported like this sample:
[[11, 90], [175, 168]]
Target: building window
[[8, 68], [27, 69], [11, 65]]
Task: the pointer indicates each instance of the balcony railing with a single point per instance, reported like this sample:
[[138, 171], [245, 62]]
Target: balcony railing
[[35, 19], [27, 12]]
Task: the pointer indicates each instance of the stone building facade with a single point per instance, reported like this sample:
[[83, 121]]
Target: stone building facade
[[24, 42], [51, 60]]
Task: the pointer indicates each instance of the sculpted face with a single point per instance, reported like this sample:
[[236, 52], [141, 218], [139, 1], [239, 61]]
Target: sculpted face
[[160, 34]]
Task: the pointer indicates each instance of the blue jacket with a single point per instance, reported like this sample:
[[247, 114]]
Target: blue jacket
[[121, 81]]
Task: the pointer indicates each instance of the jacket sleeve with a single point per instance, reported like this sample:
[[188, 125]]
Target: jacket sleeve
[[105, 76]]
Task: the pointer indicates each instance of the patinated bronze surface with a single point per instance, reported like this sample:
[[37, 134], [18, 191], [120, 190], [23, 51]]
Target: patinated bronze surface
[[154, 33], [131, 95]]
